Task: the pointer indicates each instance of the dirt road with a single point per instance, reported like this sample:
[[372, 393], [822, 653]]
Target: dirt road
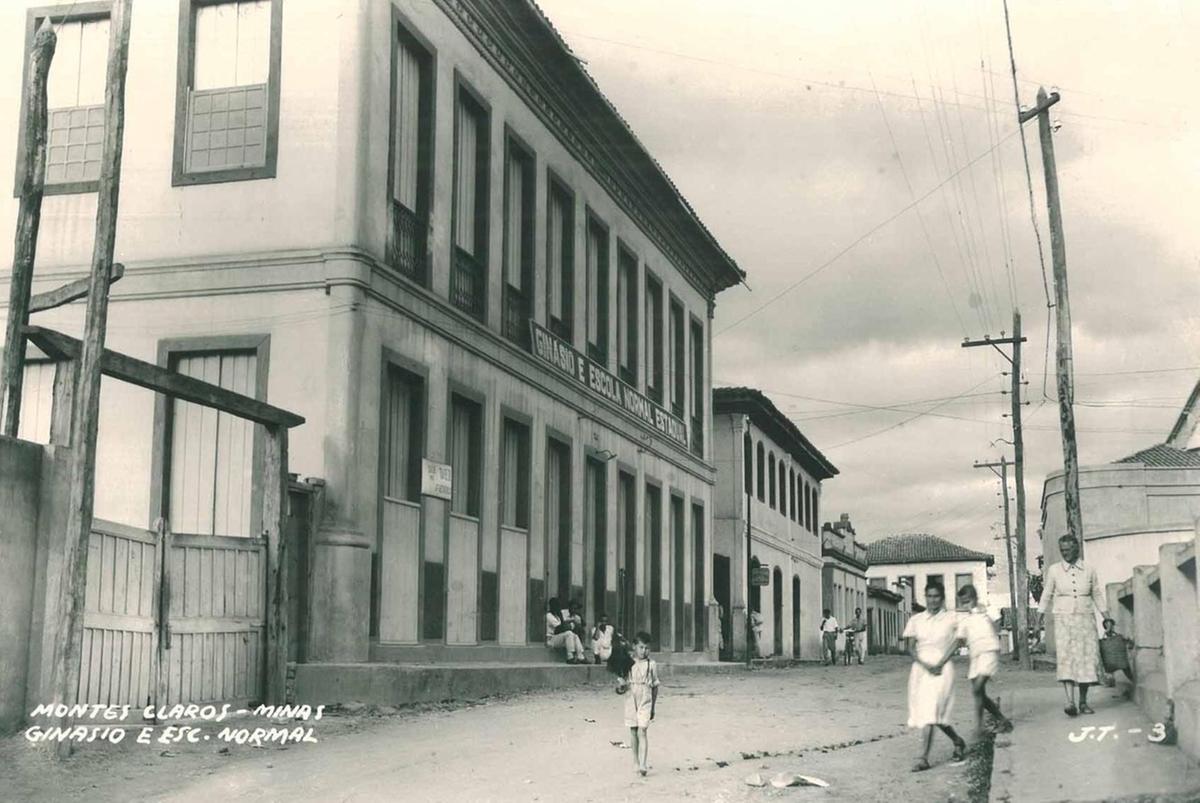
[[842, 724]]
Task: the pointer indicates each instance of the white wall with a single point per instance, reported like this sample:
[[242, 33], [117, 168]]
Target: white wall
[[948, 569]]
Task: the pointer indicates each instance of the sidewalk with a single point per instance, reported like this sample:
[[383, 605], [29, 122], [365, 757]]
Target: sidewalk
[[1048, 757]]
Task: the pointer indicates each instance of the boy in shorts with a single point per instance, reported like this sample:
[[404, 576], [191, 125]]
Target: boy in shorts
[[976, 630]]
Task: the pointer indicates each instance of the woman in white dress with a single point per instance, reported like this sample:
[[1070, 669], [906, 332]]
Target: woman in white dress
[[1073, 596], [931, 637]]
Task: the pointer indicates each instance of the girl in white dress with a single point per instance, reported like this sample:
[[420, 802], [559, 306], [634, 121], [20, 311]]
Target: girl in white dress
[[931, 636], [642, 686]]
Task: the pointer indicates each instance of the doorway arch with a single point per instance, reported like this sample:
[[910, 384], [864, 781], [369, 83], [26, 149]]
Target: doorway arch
[[777, 609], [796, 618]]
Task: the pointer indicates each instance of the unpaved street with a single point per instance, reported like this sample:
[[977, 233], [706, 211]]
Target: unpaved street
[[842, 724]]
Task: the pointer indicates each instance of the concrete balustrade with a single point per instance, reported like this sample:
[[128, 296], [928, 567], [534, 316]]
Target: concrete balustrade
[[1159, 608]]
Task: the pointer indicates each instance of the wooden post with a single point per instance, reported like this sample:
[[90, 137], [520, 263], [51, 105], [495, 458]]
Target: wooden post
[[274, 511], [1064, 362], [1022, 567], [87, 402], [29, 217]]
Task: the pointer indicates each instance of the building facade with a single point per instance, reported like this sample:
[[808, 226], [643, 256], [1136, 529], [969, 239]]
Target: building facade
[[843, 570], [917, 559], [887, 614], [768, 482], [1129, 508], [421, 226]]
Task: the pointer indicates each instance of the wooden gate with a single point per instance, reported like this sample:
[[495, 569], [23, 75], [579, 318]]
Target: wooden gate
[[214, 638], [172, 619], [119, 653]]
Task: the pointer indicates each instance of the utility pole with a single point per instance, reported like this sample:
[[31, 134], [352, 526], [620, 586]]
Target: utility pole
[[1008, 549], [1022, 570], [86, 414], [1064, 363], [29, 216]]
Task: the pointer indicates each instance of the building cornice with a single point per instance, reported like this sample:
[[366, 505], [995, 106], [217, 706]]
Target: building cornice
[[539, 72]]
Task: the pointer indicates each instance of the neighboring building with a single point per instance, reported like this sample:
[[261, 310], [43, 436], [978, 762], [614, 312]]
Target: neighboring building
[[1129, 507], [421, 226], [843, 571], [917, 559], [767, 471], [887, 614]]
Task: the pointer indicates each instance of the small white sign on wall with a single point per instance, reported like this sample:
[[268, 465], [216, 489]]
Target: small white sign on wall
[[435, 479]]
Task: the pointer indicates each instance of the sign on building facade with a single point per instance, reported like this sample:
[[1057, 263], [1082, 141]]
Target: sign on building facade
[[600, 382], [436, 479]]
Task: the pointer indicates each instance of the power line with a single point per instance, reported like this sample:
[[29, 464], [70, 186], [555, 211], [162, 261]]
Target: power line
[[858, 241], [921, 218], [1037, 232], [911, 418]]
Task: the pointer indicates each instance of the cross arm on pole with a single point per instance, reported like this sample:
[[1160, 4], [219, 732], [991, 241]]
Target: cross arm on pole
[[1044, 103]]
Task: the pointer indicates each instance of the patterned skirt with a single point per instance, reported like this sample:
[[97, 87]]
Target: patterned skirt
[[1077, 646]]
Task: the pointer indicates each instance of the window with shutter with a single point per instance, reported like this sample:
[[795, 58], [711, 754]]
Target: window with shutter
[[560, 266], [74, 97], [627, 316], [403, 435], [228, 113], [518, 241], [411, 143], [466, 434], [597, 291]]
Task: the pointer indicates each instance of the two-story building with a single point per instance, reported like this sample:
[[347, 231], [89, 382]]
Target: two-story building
[[768, 483], [843, 571], [423, 227]]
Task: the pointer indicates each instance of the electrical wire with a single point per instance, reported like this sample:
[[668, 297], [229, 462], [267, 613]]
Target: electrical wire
[[860, 239]]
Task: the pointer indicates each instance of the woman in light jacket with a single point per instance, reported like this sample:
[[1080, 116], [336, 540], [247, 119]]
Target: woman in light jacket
[[1072, 595]]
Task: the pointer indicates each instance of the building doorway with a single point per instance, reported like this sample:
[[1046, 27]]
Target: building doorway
[[596, 530], [777, 609], [721, 595], [627, 521], [796, 617], [679, 563], [654, 525], [558, 517], [699, 598]]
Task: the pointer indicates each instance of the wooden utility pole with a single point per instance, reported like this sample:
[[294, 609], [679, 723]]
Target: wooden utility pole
[[29, 218], [86, 415], [1008, 548], [1064, 363], [1019, 476], [1021, 569]]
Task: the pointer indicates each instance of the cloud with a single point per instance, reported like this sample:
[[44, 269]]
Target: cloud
[[768, 122]]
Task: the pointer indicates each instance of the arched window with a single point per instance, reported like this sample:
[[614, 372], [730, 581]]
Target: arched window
[[748, 463], [783, 494], [762, 473], [816, 493], [806, 500], [771, 477], [792, 493]]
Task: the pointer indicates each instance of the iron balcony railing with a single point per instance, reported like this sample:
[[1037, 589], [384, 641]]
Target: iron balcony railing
[[408, 252], [516, 315], [467, 285]]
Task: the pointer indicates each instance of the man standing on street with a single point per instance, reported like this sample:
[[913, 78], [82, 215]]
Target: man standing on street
[[829, 629], [858, 629]]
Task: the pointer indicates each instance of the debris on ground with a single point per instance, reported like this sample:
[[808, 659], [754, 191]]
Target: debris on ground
[[755, 780], [786, 779], [589, 719]]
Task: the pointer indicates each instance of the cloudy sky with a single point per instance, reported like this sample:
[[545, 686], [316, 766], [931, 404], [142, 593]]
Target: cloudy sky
[[860, 162]]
